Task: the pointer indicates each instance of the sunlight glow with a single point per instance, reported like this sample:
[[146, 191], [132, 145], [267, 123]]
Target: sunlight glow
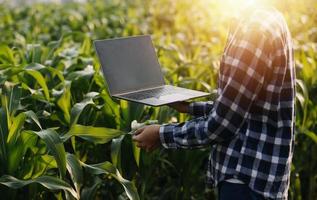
[[238, 3], [235, 5], [231, 8]]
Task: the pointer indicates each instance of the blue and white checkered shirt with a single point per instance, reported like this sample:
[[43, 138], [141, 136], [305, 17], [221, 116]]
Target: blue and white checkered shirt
[[250, 126]]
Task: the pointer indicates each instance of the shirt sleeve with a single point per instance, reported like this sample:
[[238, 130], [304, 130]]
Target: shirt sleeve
[[248, 59], [198, 109]]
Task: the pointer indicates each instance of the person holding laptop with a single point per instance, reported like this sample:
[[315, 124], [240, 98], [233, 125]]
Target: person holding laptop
[[250, 126]]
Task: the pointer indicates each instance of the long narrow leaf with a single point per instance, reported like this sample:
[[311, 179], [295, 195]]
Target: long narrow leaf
[[79, 107], [116, 151], [65, 104], [6, 55], [51, 183], [99, 135], [15, 128], [3, 137], [136, 153], [311, 135], [108, 168], [55, 146], [41, 81], [18, 149], [17, 124], [75, 170], [89, 193], [14, 95], [30, 114]]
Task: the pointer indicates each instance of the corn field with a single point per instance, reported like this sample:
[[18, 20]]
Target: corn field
[[63, 137]]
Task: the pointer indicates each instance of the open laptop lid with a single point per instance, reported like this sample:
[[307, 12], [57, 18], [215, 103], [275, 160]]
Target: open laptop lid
[[129, 64]]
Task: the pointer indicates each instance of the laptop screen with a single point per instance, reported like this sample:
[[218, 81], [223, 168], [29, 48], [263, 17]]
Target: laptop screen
[[129, 64]]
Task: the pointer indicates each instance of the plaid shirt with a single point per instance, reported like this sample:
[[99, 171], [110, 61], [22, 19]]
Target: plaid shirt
[[250, 126]]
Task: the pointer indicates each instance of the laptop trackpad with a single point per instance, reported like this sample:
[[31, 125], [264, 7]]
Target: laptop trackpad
[[165, 99], [173, 97]]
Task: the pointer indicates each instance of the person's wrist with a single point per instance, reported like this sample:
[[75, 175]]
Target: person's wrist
[[157, 131], [183, 107], [186, 107]]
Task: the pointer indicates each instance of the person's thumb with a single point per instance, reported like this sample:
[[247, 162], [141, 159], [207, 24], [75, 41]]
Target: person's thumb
[[138, 131]]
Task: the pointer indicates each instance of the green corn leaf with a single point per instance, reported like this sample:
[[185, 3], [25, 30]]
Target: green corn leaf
[[14, 94], [30, 114], [55, 146], [116, 151], [18, 150], [39, 166], [136, 153], [17, 124], [52, 46], [57, 73], [5, 66], [111, 107], [3, 137], [54, 72], [86, 73], [36, 53], [42, 164], [35, 66], [303, 99], [51, 183], [301, 85], [297, 185], [11, 72], [78, 108], [75, 170], [41, 81], [86, 46], [6, 55], [311, 135], [89, 193], [99, 135], [131, 111], [108, 168], [65, 104], [4, 102], [15, 128]]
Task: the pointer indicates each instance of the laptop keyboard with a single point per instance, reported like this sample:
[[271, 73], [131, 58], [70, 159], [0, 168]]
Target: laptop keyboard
[[157, 92]]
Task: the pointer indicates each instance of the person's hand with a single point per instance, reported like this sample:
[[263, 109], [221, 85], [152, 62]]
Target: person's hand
[[148, 137], [180, 106]]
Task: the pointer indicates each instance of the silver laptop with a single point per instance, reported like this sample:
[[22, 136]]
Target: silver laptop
[[133, 73]]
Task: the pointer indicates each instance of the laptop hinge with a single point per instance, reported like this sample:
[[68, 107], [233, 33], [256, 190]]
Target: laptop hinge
[[134, 91]]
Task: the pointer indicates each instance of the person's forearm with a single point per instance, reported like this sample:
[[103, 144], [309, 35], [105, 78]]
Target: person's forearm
[[196, 108], [200, 108]]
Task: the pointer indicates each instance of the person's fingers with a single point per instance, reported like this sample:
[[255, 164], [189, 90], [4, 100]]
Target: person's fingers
[[138, 131], [137, 137]]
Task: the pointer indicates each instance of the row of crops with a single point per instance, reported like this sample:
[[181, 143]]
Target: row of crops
[[61, 134]]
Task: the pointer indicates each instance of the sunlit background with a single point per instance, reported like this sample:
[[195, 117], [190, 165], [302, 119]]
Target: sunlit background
[[54, 39]]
